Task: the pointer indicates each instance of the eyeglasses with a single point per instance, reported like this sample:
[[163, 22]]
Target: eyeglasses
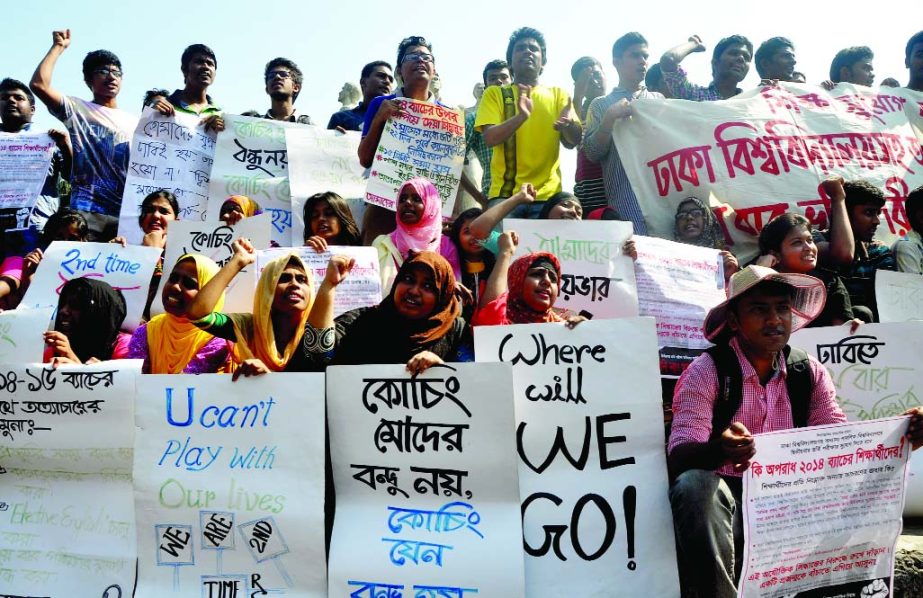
[[281, 74], [695, 213], [419, 57], [105, 72]]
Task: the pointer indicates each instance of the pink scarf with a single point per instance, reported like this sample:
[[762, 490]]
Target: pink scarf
[[425, 235]]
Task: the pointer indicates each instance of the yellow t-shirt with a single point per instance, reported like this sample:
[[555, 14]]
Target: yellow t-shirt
[[537, 143]]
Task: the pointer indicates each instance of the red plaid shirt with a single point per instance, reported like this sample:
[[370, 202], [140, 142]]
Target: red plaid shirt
[[763, 409]]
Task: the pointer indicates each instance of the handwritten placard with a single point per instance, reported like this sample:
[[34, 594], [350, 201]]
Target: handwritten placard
[[21, 334], [127, 269], [596, 277], [174, 153], [425, 473], [362, 288], [425, 140], [677, 285], [24, 163], [822, 509], [766, 151], [877, 373], [899, 295], [213, 239], [320, 161], [592, 473], [229, 485], [251, 159], [67, 524]]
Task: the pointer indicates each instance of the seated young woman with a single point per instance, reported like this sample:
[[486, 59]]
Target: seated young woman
[[787, 245], [419, 323], [16, 272], [170, 343], [695, 224], [524, 292], [329, 221], [86, 328], [237, 207], [419, 228], [158, 210], [266, 339]]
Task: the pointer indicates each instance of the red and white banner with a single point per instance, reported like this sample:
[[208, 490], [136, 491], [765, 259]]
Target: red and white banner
[[766, 152]]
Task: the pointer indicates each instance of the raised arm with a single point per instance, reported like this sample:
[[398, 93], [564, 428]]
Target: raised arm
[[482, 225], [338, 268], [41, 79], [842, 245], [670, 60], [207, 298], [369, 143], [496, 282]]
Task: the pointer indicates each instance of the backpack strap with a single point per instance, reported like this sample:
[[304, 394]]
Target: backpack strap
[[509, 146], [730, 387], [799, 383]]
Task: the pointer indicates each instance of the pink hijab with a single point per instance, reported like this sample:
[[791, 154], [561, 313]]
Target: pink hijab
[[425, 235]]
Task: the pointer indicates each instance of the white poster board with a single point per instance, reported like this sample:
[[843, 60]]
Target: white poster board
[[899, 296], [24, 162], [229, 485], [21, 331], [173, 153], [251, 159], [362, 288], [596, 276], [127, 269], [877, 373], [424, 140], [425, 476], [592, 471], [321, 160], [213, 239], [67, 524], [822, 510]]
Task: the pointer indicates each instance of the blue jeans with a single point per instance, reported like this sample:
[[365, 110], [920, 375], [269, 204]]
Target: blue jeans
[[709, 533]]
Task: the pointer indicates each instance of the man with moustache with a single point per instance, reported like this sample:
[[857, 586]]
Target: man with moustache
[[629, 56], [526, 123], [775, 59], [750, 382], [730, 64]]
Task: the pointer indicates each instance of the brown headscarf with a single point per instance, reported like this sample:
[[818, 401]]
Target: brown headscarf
[[447, 307]]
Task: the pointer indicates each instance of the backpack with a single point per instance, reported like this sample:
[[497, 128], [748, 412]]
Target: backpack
[[798, 383]]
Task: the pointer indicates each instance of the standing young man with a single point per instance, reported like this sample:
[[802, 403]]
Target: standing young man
[[376, 79], [526, 123], [629, 56], [730, 64], [100, 134], [283, 84]]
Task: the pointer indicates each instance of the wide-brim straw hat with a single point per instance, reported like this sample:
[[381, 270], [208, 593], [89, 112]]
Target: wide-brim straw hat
[[807, 303]]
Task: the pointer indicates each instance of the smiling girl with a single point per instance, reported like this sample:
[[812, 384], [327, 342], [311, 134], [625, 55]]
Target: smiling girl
[[170, 343], [419, 228]]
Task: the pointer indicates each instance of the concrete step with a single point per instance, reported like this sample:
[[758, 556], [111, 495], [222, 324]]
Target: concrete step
[[908, 561]]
